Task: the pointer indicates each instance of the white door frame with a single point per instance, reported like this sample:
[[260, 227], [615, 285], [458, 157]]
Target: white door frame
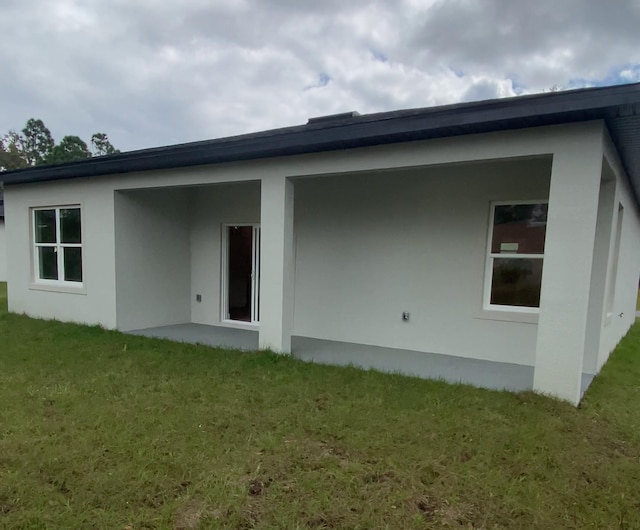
[[255, 276]]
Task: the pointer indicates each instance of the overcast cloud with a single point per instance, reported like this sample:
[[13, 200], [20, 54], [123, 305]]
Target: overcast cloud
[[158, 72]]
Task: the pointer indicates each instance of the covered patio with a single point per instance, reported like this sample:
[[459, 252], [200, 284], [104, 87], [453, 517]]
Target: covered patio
[[216, 336]]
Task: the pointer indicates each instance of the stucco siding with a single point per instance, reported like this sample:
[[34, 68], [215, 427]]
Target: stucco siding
[[371, 246], [3, 252], [213, 206], [602, 250], [95, 303], [619, 313], [152, 251]]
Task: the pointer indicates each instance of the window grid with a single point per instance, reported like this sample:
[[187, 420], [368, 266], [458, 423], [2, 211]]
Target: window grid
[[58, 247]]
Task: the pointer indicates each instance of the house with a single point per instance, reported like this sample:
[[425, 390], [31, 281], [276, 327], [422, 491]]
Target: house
[[3, 242], [495, 242]]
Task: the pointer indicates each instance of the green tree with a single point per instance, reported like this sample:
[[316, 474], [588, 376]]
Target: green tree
[[69, 149], [37, 142], [35, 146], [12, 152], [101, 145]]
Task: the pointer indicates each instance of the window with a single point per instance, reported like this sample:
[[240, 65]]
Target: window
[[57, 236], [515, 255]]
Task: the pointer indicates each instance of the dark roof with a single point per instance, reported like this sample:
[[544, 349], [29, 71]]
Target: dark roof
[[618, 105]]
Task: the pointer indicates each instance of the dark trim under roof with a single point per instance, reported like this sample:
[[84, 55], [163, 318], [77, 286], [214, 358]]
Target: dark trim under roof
[[618, 105]]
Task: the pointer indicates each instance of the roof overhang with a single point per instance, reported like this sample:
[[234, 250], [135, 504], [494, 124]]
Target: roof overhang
[[618, 106]]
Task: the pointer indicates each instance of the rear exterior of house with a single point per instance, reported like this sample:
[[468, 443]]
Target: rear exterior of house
[[503, 252]]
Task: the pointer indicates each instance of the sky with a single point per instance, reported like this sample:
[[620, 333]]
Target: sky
[[160, 72]]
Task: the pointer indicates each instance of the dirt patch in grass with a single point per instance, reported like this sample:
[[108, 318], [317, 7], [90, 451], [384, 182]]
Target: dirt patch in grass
[[259, 486], [188, 516], [434, 510]]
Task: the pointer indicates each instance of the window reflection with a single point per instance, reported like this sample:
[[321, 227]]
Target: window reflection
[[519, 228], [516, 254]]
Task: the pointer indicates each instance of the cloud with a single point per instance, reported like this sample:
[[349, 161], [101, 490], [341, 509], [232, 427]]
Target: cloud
[[484, 88], [536, 43], [154, 73]]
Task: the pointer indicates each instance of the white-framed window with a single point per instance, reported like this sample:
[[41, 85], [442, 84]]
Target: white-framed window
[[515, 255], [57, 245], [241, 273]]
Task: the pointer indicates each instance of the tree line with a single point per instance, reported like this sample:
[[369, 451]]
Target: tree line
[[35, 146]]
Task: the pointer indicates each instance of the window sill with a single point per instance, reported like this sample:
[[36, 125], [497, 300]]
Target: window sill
[[507, 316], [67, 289]]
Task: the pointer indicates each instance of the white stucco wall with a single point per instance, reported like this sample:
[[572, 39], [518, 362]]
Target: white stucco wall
[[213, 206], [95, 303], [153, 261], [602, 250], [570, 240], [623, 309], [3, 252], [369, 247]]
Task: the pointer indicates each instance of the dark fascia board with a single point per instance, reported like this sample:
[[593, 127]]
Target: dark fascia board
[[355, 131]]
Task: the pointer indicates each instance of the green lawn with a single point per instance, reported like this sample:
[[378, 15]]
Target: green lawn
[[102, 430]]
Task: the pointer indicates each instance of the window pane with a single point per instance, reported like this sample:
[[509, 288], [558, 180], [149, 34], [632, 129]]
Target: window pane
[[73, 264], [48, 263], [45, 221], [70, 231], [519, 229], [516, 282]]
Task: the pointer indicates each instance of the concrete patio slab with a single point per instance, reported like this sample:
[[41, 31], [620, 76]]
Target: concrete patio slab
[[239, 339]]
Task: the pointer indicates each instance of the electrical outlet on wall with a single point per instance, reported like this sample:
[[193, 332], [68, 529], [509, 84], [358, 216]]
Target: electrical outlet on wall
[[405, 316], [198, 298]]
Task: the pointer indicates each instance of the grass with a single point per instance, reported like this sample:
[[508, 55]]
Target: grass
[[103, 430]]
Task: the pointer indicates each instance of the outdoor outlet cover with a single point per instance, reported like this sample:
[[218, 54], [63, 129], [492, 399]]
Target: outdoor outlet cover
[[405, 316]]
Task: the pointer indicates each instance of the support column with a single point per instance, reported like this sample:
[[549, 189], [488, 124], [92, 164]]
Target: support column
[[276, 268], [566, 278]]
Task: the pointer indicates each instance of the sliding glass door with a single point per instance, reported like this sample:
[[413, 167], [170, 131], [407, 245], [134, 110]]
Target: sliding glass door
[[241, 273]]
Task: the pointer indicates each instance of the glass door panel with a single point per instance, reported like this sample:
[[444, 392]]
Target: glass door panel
[[243, 273]]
